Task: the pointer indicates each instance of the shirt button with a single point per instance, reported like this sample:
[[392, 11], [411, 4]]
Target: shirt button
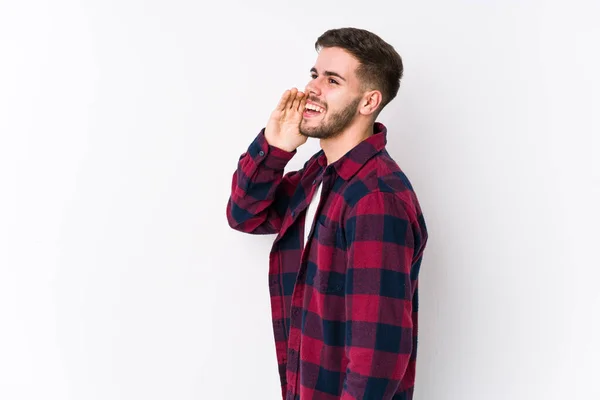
[[293, 213], [261, 153], [315, 181]]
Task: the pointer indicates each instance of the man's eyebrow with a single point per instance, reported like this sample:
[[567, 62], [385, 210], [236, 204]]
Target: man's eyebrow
[[328, 73]]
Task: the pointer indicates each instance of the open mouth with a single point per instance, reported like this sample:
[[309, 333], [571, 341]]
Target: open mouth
[[312, 110]]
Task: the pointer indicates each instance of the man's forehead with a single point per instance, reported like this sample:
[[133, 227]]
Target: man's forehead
[[336, 60]]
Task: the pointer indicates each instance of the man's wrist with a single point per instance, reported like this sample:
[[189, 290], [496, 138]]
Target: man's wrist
[[281, 146]]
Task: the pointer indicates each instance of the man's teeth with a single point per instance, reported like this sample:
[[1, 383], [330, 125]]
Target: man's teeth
[[314, 108]]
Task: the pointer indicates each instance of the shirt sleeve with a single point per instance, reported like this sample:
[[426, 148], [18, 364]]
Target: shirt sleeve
[[379, 296], [260, 191]]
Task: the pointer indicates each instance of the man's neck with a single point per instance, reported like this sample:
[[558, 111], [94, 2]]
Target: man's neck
[[336, 147]]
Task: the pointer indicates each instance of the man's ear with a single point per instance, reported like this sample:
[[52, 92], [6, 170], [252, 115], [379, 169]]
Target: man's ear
[[370, 102]]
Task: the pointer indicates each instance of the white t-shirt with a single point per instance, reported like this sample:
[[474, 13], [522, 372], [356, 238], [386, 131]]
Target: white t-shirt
[[310, 213]]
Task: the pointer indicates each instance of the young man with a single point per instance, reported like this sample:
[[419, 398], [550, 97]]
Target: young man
[[344, 265]]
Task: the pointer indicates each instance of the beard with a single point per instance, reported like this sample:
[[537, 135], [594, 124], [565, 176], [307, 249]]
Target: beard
[[333, 124]]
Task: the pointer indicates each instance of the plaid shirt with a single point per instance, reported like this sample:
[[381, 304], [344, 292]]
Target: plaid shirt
[[344, 308]]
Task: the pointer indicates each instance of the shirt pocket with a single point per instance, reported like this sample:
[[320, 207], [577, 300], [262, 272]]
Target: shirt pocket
[[328, 233], [328, 257]]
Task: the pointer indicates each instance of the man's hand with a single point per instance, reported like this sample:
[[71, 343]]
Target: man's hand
[[283, 128]]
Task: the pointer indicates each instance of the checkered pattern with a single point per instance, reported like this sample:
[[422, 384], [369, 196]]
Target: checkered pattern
[[345, 307]]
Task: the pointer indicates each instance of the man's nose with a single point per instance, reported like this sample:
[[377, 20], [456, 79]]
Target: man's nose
[[312, 88]]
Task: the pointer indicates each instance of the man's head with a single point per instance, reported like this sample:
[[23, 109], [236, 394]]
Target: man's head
[[355, 76]]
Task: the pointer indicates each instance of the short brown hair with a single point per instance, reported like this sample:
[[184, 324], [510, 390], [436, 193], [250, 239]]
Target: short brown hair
[[380, 64]]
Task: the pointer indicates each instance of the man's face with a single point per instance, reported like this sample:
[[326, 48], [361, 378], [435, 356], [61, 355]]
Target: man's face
[[335, 91]]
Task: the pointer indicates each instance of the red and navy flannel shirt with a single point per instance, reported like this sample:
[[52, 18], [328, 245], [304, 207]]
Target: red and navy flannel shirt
[[344, 308]]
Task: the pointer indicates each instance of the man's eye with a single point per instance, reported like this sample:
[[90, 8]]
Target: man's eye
[[331, 80]]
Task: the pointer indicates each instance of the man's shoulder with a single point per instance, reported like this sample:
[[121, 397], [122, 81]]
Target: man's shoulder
[[381, 176]]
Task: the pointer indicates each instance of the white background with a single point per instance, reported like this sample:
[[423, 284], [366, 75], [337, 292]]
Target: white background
[[121, 123]]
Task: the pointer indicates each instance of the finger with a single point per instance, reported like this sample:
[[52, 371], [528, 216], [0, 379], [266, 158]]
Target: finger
[[296, 102], [293, 94], [302, 102], [284, 100]]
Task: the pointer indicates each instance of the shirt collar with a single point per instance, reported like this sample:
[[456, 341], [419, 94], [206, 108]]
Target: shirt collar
[[355, 158]]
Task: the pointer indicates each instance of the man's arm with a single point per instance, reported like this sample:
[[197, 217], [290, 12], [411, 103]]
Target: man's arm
[[260, 192], [379, 296]]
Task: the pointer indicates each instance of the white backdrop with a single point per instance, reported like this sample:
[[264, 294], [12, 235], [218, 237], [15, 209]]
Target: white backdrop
[[121, 123]]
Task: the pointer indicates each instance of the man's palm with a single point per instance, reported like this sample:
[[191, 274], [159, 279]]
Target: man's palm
[[283, 128]]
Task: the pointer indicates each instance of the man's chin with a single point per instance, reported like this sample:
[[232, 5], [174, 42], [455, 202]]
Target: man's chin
[[312, 134], [312, 129], [307, 134], [305, 130]]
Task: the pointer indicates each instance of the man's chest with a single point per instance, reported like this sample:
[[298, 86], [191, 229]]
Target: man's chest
[[310, 251]]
